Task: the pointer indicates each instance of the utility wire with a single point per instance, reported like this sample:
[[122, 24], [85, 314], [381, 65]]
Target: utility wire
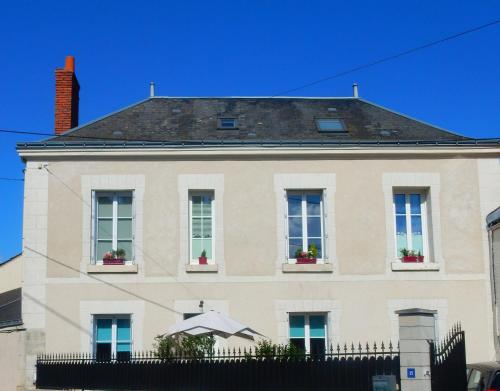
[[392, 57], [334, 76]]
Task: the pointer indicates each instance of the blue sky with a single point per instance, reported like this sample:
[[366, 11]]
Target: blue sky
[[253, 47]]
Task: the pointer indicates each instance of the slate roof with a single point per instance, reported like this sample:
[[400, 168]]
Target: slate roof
[[172, 119]]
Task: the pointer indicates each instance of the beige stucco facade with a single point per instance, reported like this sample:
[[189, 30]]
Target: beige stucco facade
[[360, 288]]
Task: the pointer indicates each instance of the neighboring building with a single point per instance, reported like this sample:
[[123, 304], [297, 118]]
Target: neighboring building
[[493, 223], [11, 324], [251, 181]]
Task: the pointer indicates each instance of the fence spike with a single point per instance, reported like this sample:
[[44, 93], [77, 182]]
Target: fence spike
[[359, 347], [352, 347], [382, 347], [375, 347], [367, 348]]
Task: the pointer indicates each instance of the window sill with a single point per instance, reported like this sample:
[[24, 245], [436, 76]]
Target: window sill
[[210, 268], [111, 269], [308, 268], [424, 266]]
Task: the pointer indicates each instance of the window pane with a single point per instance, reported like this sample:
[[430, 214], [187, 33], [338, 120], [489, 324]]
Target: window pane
[[127, 246], [293, 246], [417, 243], [104, 229], [294, 205], [123, 329], [103, 330], [313, 204], [401, 243], [401, 225], [207, 227], [317, 325], [415, 203], [123, 347], [123, 356], [317, 346], [207, 205], [207, 246], [416, 225], [317, 242], [125, 229], [197, 248], [297, 326], [196, 228], [103, 351], [314, 226], [399, 201], [105, 206], [295, 227], [196, 205], [103, 247], [124, 206], [299, 343]]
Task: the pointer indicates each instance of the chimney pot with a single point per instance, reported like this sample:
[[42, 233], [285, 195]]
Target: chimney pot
[[67, 97], [355, 90], [70, 64]]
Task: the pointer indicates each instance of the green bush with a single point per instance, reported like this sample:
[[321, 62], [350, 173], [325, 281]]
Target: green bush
[[193, 346]]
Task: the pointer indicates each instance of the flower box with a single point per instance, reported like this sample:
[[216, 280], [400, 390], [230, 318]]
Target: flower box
[[202, 260], [302, 261], [412, 258], [113, 261]]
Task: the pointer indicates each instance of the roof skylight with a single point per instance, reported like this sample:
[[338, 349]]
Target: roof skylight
[[330, 125], [227, 123]]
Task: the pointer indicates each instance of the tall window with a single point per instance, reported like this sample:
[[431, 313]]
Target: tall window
[[308, 332], [112, 337], [113, 223], [410, 222], [305, 222], [201, 210]]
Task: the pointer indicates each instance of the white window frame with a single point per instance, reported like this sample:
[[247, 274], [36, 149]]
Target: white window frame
[[337, 120], [307, 329], [423, 214], [95, 219], [114, 329], [304, 193], [193, 259]]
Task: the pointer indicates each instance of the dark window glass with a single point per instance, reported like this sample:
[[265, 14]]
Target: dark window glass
[[123, 356], [495, 384], [317, 346], [227, 123], [299, 343], [103, 351]]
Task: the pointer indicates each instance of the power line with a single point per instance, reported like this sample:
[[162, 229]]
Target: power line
[[327, 78], [392, 57]]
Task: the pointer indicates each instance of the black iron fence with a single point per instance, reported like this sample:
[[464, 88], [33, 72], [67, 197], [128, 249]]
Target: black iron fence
[[448, 362], [341, 368]]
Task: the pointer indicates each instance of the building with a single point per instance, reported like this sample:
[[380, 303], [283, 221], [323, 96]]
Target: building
[[493, 223], [11, 323], [252, 181]]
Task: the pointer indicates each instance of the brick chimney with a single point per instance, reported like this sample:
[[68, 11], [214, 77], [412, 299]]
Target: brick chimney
[[67, 97]]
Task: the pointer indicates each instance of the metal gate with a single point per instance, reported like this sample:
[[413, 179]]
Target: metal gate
[[448, 365]]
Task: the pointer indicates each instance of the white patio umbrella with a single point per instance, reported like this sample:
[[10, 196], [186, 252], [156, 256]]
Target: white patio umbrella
[[213, 323]]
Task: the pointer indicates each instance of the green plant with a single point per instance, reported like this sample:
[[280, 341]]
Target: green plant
[[192, 346], [119, 253], [312, 251], [265, 349], [410, 253], [204, 254]]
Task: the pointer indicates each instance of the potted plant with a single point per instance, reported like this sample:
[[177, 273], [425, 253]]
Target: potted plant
[[309, 256], [202, 259], [411, 256], [114, 257]]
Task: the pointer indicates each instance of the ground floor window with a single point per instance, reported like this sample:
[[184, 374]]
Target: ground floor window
[[308, 332], [112, 337]]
